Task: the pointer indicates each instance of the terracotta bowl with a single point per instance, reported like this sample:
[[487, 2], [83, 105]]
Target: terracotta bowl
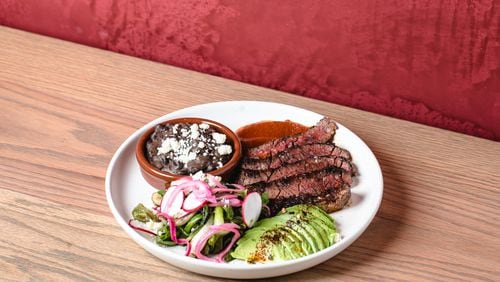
[[161, 179]]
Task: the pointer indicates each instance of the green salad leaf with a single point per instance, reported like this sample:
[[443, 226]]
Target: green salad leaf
[[143, 214], [163, 236]]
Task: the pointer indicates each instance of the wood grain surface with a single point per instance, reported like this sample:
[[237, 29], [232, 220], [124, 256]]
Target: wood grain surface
[[65, 109]]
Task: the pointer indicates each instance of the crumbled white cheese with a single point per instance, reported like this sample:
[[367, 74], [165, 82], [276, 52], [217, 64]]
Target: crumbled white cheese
[[199, 176], [153, 226], [194, 142], [192, 156], [219, 138], [187, 157], [195, 133], [169, 144], [211, 181], [224, 149], [184, 132]]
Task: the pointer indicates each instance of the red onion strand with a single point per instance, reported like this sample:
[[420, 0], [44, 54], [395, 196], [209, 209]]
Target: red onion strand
[[219, 258], [171, 224], [140, 229]]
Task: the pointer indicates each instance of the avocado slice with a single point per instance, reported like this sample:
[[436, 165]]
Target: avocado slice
[[326, 235], [321, 226], [253, 247], [315, 212], [321, 236], [274, 247], [298, 231], [321, 221], [291, 248], [298, 243], [310, 234], [279, 252], [303, 224]]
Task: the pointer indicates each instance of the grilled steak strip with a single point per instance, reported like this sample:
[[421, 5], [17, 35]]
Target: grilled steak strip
[[324, 188], [295, 154], [334, 201], [248, 177], [320, 133], [315, 183], [330, 201]]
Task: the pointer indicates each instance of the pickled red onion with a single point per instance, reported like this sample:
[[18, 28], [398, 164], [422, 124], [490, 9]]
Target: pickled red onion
[[139, 228], [214, 229]]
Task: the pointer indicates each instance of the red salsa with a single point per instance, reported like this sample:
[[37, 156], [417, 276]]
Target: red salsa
[[255, 134]]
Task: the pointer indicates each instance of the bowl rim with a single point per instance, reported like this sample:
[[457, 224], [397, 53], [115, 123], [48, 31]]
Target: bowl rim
[[167, 176]]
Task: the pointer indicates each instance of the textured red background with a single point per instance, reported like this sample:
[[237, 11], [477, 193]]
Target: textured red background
[[433, 62]]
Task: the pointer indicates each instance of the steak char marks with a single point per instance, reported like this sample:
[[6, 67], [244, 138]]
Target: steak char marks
[[320, 133], [309, 165], [307, 168], [295, 154]]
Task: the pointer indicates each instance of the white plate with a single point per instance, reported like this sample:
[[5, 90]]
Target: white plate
[[125, 188]]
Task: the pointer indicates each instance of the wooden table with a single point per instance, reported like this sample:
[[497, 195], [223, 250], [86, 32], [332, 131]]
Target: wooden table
[[65, 109]]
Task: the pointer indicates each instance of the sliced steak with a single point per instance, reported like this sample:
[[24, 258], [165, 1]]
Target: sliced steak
[[330, 201], [248, 177], [307, 168], [320, 133], [295, 154], [325, 188], [315, 183], [334, 201]]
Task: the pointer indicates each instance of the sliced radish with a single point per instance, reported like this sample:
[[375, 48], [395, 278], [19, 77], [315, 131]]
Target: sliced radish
[[172, 201], [251, 208], [176, 206], [193, 203]]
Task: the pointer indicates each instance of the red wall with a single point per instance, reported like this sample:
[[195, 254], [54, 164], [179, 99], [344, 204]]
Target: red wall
[[433, 62]]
